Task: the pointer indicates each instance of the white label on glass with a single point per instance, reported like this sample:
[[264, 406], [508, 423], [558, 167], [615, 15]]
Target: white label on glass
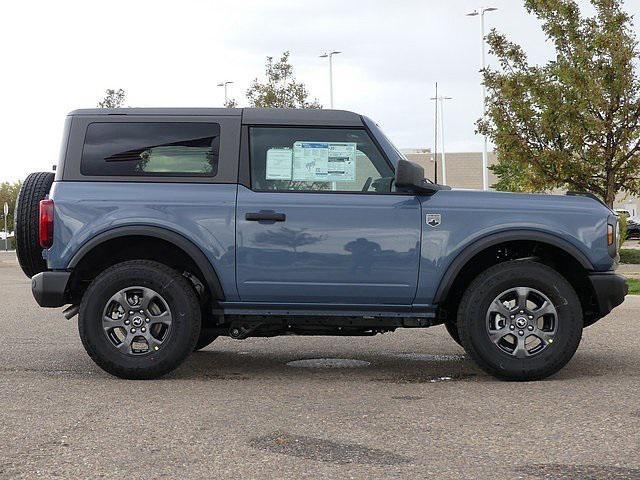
[[279, 164], [324, 161]]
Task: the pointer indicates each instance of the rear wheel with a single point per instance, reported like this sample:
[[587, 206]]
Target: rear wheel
[[27, 215], [520, 320], [139, 319]]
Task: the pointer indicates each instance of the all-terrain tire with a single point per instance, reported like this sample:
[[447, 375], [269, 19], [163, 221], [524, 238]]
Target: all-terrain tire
[[452, 330], [183, 304], [26, 218], [205, 339], [472, 320]]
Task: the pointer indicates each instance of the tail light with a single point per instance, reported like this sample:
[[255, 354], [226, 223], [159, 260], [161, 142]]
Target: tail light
[[46, 223], [610, 235]]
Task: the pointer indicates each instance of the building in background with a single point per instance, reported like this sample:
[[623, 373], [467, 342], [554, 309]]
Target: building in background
[[464, 170]]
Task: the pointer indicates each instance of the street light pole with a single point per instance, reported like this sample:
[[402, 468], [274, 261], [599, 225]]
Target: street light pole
[[224, 84], [444, 159], [330, 57], [440, 99], [6, 236], [485, 163], [435, 140]]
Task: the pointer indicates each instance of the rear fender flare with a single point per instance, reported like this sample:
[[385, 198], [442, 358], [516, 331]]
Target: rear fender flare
[[196, 254]]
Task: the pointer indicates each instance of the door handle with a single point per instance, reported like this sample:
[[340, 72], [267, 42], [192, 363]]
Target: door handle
[[265, 217]]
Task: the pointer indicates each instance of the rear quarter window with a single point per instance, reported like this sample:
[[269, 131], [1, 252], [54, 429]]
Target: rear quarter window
[[153, 149]]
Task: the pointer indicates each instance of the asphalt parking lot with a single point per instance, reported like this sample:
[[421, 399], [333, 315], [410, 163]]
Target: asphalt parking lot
[[411, 407]]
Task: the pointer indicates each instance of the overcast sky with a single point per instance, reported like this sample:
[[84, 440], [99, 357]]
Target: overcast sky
[[62, 55]]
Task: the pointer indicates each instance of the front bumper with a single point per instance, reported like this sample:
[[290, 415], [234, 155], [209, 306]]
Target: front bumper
[[610, 289], [49, 288]]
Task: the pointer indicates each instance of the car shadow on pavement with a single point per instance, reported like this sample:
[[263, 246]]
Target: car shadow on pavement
[[392, 368], [388, 368]]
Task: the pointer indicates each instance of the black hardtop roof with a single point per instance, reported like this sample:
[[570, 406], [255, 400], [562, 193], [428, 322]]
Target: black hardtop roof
[[254, 116]]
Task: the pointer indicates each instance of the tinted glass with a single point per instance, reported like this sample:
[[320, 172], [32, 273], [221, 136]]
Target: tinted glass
[[151, 149], [316, 159]]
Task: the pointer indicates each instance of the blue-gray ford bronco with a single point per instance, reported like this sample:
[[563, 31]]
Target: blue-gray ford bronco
[[164, 229]]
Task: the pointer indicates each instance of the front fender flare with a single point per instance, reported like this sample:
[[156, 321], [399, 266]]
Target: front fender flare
[[497, 238]]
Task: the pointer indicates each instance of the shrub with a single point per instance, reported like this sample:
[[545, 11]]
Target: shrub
[[623, 228]]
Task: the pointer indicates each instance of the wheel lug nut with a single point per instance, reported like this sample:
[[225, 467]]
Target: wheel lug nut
[[147, 320], [127, 322], [133, 330], [520, 333], [141, 311], [530, 317], [521, 311], [143, 329], [512, 327], [131, 312], [530, 327], [513, 316]]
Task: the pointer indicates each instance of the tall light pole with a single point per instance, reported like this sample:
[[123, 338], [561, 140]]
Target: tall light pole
[[224, 84], [440, 99], [485, 172], [330, 57], [6, 236], [435, 141]]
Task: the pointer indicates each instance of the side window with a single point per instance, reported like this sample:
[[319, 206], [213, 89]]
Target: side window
[[151, 149], [316, 159]]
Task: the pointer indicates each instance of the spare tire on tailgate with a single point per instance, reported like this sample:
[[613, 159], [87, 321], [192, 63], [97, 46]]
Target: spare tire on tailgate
[[27, 215]]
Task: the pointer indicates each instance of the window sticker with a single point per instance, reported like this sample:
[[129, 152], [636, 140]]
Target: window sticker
[[279, 163], [342, 162], [310, 161], [324, 161]]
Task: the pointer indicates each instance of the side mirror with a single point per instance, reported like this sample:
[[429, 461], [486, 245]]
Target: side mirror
[[410, 176]]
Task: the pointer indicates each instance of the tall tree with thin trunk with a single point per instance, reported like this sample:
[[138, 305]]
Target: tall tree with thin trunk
[[573, 122]]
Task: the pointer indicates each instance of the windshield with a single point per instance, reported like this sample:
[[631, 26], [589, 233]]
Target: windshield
[[389, 148]]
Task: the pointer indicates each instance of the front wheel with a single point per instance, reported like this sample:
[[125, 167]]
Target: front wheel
[[205, 339], [520, 320], [139, 319], [452, 330]]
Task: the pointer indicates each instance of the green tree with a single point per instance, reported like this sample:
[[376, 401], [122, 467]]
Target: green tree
[[113, 98], [8, 193], [280, 89], [573, 122]]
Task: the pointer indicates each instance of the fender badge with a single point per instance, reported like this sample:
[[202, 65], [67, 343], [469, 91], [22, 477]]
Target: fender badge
[[434, 219]]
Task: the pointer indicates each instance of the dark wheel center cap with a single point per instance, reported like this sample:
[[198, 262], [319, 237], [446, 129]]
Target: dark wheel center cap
[[136, 321], [521, 322]]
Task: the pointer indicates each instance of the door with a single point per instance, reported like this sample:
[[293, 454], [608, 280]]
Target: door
[[320, 224]]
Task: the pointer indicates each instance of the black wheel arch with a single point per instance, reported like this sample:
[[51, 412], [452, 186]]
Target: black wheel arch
[[495, 239], [191, 249]]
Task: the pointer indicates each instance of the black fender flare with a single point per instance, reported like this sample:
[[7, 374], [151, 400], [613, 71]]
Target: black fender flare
[[501, 237], [191, 249]]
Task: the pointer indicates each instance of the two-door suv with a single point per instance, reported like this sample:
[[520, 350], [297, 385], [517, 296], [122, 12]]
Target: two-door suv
[[166, 228]]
